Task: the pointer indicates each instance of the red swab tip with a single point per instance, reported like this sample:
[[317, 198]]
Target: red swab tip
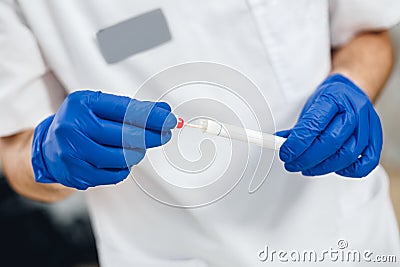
[[180, 123]]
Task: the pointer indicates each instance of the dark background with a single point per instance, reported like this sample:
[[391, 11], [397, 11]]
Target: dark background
[[30, 234]]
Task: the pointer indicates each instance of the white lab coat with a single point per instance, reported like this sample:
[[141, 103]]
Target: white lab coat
[[283, 46]]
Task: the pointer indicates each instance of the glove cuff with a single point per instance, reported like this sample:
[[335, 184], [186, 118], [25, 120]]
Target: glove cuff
[[42, 175], [338, 77]]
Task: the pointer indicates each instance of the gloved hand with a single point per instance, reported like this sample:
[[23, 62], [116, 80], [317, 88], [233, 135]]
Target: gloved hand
[[82, 146], [337, 131]]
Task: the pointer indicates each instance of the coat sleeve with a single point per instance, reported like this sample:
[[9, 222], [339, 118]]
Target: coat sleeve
[[349, 17], [29, 92]]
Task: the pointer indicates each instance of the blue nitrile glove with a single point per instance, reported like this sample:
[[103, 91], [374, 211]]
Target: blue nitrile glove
[[337, 131], [82, 146]]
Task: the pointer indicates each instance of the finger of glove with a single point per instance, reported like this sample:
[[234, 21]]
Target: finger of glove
[[308, 127], [370, 156], [143, 139], [349, 152], [109, 106], [325, 145], [87, 175], [116, 134], [363, 130], [148, 115], [283, 133], [103, 157], [113, 107], [145, 114], [163, 105], [346, 155]]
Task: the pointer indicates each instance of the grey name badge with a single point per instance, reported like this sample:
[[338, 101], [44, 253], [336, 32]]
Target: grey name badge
[[132, 36]]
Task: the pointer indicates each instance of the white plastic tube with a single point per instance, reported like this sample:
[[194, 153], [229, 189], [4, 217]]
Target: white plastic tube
[[246, 135]]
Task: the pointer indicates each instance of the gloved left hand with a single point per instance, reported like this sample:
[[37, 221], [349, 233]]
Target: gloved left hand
[[338, 131], [83, 144]]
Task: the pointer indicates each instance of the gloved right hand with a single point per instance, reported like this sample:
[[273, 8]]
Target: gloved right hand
[[81, 145]]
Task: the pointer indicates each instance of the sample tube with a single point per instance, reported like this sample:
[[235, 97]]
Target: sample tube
[[237, 133]]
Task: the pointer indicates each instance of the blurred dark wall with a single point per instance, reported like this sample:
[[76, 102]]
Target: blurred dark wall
[[31, 236]]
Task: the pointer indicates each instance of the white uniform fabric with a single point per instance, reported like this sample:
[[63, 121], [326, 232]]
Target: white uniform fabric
[[283, 46]]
